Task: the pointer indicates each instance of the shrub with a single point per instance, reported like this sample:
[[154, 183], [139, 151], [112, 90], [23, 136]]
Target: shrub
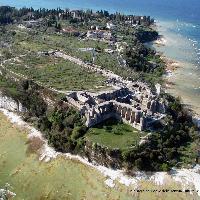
[[165, 167], [78, 132]]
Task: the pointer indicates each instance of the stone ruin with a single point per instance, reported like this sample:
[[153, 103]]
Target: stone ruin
[[135, 105]]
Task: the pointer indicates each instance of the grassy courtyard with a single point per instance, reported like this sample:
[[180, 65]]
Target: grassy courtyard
[[114, 135]]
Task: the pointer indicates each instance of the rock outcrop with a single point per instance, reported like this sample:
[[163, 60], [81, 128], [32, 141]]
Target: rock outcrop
[[98, 154], [10, 104]]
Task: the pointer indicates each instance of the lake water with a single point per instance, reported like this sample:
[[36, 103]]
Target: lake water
[[183, 45]]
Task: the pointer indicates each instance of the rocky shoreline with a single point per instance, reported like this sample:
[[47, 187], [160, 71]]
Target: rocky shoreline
[[161, 41], [171, 67]]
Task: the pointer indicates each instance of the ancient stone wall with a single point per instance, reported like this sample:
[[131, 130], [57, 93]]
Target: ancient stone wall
[[136, 106], [114, 109]]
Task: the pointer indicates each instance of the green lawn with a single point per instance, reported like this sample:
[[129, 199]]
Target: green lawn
[[114, 135]]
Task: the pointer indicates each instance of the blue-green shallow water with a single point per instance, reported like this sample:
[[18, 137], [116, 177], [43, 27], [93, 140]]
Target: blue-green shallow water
[[182, 45], [180, 24]]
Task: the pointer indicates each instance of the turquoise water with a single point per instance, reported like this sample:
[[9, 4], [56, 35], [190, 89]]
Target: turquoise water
[[180, 24]]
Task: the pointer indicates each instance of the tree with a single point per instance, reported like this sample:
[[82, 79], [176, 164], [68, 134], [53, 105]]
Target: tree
[[59, 27], [139, 163], [78, 132]]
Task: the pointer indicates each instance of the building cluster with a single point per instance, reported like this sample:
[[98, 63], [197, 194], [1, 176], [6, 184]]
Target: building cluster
[[135, 105], [70, 31], [100, 35]]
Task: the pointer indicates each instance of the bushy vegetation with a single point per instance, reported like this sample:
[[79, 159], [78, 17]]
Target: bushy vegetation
[[64, 128], [26, 92], [146, 34], [30, 97], [8, 87], [165, 148]]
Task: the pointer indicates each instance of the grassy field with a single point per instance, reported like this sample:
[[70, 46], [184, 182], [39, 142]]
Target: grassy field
[[26, 41], [36, 40], [114, 135], [110, 62], [57, 73]]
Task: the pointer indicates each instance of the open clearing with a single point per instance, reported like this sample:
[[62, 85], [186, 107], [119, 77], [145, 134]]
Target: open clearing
[[113, 134]]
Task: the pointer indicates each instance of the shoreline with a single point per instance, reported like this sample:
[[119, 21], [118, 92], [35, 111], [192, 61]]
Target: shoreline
[[160, 41], [171, 66], [184, 177], [174, 67], [170, 69]]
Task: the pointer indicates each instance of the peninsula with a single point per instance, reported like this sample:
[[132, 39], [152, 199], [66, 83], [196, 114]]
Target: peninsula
[[89, 83]]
